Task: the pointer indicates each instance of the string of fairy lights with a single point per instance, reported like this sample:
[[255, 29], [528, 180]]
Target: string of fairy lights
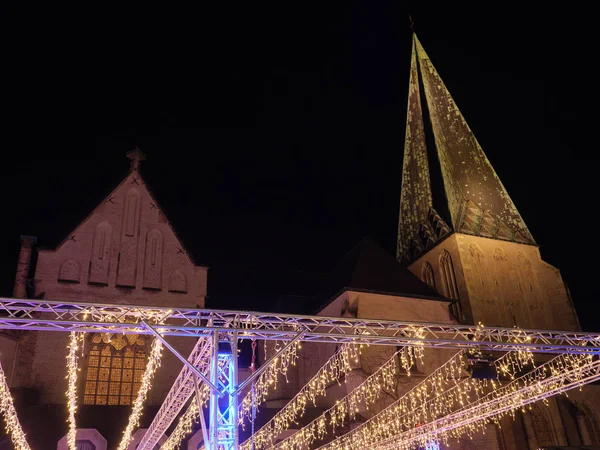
[[361, 397], [447, 404], [435, 395], [75, 340], [136, 412], [269, 380], [187, 421], [190, 417], [340, 364], [559, 375], [12, 424]]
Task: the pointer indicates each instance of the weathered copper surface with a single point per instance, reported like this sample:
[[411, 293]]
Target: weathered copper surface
[[477, 201], [415, 198]]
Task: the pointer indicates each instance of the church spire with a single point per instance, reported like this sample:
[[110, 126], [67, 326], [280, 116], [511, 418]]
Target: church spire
[[477, 202], [415, 198]]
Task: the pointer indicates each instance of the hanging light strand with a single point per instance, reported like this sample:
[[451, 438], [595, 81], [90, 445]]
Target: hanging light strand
[[367, 393], [396, 419], [336, 367], [559, 375], [190, 417], [269, 379], [136, 412], [12, 424], [75, 339], [438, 394]]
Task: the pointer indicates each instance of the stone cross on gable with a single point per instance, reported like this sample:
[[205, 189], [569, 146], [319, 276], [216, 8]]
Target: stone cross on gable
[[136, 156]]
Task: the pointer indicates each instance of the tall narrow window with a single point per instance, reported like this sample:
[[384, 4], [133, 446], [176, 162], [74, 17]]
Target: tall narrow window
[[153, 260], [449, 280], [427, 275], [132, 204], [100, 258], [115, 368], [448, 277], [541, 427], [591, 434]]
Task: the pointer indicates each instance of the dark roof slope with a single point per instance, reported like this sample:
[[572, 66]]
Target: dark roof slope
[[369, 268]]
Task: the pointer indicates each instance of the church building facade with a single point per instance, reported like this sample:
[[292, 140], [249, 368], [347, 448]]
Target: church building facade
[[464, 255]]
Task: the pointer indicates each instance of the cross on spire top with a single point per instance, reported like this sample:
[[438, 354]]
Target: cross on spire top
[[136, 156]]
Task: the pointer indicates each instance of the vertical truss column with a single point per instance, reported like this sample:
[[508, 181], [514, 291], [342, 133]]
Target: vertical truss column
[[214, 399], [224, 409]]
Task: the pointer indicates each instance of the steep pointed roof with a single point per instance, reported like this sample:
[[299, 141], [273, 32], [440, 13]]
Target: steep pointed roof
[[133, 176], [476, 199], [369, 268], [415, 198]]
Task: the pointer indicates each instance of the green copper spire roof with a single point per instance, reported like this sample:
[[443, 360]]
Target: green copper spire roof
[[477, 201], [415, 198]]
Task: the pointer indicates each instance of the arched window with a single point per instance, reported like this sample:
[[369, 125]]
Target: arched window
[[115, 368], [132, 211], [541, 428], [449, 279], [177, 282], [587, 419], [427, 275], [153, 260], [100, 258], [69, 271]]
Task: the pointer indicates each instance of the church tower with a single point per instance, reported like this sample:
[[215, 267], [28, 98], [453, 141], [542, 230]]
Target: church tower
[[467, 239]]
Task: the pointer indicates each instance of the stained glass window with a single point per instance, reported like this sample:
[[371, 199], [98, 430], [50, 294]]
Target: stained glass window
[[115, 368]]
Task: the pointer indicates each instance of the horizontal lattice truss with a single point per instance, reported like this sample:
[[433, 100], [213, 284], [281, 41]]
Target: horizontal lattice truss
[[91, 317]]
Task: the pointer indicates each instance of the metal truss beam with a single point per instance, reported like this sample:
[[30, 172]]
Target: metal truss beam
[[182, 359], [46, 315], [181, 391]]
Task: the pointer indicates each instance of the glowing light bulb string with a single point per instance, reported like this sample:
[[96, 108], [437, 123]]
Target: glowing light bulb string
[[136, 412], [565, 372], [429, 397], [12, 424], [337, 366], [72, 369], [363, 395]]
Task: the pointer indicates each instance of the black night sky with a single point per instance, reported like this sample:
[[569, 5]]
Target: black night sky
[[275, 133]]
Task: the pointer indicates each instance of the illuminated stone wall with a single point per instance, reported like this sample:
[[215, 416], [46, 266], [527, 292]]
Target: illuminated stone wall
[[124, 252], [500, 283]]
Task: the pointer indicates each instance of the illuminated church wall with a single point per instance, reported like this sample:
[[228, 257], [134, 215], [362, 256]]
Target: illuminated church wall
[[501, 282], [124, 252]]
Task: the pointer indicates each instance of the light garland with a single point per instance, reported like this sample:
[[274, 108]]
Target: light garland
[[559, 375], [430, 399], [134, 419], [72, 370], [337, 366], [392, 421], [364, 395], [12, 424], [186, 422], [190, 417], [268, 380]]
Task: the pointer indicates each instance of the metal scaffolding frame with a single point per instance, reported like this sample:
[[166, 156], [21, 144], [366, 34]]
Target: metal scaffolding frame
[[216, 328], [45, 315]]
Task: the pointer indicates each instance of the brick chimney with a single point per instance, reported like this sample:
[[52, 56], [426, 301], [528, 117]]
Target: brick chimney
[[27, 243]]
